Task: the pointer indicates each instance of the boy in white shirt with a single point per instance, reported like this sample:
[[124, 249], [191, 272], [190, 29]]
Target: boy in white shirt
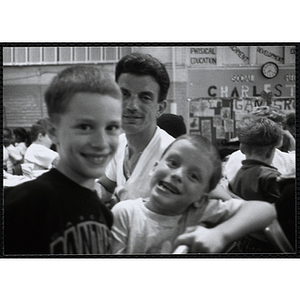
[[180, 183], [39, 152]]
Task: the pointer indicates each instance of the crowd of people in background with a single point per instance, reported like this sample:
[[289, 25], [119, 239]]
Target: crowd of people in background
[[83, 187]]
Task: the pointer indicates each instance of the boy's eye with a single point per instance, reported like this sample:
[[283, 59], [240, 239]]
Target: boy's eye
[[113, 128], [194, 176], [84, 127], [172, 162]]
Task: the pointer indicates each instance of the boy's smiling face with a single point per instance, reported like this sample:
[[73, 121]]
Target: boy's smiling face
[[179, 179], [87, 136]]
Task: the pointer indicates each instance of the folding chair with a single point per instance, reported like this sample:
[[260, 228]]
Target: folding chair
[[276, 236]]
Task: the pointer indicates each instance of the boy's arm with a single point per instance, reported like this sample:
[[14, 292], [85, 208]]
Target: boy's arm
[[14, 154], [270, 188], [252, 216], [219, 193], [120, 229], [105, 188]]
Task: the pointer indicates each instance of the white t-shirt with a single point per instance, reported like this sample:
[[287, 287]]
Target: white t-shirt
[[138, 184], [21, 148], [41, 156], [137, 230], [12, 156]]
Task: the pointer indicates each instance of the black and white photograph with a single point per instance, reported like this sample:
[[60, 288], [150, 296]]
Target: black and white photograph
[[119, 181], [89, 168]]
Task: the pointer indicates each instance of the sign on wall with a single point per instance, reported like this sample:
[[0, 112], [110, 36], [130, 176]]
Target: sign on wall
[[218, 118], [240, 83]]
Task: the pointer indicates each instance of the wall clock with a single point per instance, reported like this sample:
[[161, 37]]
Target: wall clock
[[269, 70]]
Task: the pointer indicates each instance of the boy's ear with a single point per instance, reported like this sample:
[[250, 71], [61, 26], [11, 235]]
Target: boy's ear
[[202, 201], [243, 148], [39, 136]]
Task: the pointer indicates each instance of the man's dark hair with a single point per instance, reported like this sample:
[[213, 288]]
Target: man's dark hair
[[144, 64]]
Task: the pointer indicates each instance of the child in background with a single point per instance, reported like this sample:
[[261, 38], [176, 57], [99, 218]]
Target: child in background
[[188, 170], [11, 155], [59, 212], [39, 153], [21, 140], [257, 179]]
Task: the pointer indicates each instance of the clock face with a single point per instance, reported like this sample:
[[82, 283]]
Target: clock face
[[269, 70]]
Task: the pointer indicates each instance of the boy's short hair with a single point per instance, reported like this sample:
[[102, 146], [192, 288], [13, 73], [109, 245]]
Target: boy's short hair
[[10, 132], [78, 79], [36, 129], [290, 119], [205, 146], [259, 133], [144, 64], [270, 112], [21, 133]]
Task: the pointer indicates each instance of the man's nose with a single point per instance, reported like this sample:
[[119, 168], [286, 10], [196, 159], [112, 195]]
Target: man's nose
[[132, 103]]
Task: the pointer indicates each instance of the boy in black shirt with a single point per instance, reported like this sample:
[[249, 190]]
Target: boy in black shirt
[[59, 212], [257, 179]]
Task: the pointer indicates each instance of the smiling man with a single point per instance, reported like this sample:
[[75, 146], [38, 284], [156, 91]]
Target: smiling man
[[144, 82]]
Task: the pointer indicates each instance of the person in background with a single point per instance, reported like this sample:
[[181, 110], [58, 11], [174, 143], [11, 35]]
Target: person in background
[[59, 212], [284, 162], [22, 140], [286, 207], [45, 122], [11, 155], [180, 183], [39, 153], [144, 83], [289, 133], [172, 124], [257, 179], [290, 123]]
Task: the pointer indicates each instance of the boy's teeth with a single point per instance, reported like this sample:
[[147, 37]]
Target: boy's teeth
[[168, 188], [96, 159]]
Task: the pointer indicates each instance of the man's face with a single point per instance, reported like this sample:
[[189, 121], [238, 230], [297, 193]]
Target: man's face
[[140, 103], [87, 136]]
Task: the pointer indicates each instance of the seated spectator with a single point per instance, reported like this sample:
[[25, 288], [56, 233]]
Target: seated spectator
[[286, 207], [172, 124], [45, 122], [290, 124], [257, 179], [11, 155], [289, 134], [39, 152], [283, 161], [22, 140]]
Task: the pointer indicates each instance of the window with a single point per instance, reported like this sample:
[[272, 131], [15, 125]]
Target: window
[[15, 56]]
